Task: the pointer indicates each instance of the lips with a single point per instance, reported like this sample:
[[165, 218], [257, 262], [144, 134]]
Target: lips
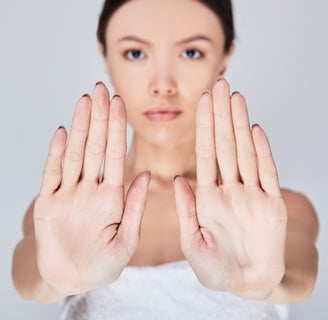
[[162, 114]]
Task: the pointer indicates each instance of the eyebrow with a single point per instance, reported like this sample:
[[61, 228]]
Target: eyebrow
[[133, 38], [199, 37], [195, 38]]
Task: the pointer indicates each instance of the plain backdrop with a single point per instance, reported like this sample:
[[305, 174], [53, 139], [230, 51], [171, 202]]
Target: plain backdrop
[[49, 58]]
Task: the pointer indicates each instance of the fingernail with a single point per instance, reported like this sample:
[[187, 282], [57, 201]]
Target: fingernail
[[176, 177], [255, 125], [219, 79], [206, 92], [115, 96], [235, 92], [148, 172], [99, 82], [85, 95], [60, 127]]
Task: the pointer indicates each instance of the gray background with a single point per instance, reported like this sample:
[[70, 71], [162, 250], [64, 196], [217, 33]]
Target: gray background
[[49, 58]]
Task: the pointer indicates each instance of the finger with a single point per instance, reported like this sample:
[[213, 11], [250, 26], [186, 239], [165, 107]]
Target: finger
[[52, 173], [247, 161], [134, 208], [74, 153], [187, 215], [96, 142], [205, 148], [116, 145], [224, 134], [268, 174]]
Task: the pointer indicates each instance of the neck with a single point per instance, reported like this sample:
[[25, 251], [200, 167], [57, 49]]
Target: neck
[[164, 162]]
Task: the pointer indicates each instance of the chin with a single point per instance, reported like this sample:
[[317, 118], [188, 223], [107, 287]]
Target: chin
[[167, 137]]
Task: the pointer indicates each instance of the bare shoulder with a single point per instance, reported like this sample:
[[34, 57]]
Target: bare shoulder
[[301, 212]]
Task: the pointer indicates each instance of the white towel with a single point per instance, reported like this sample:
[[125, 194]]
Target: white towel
[[169, 291]]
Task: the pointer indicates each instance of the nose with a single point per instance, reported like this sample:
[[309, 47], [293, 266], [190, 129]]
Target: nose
[[163, 83], [163, 90]]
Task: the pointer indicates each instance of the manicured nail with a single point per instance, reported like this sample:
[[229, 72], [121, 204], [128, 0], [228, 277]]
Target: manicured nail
[[176, 177], [219, 79], [206, 92], [146, 175]]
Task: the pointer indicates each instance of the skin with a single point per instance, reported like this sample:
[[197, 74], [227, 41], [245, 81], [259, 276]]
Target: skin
[[225, 211]]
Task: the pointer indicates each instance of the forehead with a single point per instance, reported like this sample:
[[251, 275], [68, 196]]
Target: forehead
[[165, 20]]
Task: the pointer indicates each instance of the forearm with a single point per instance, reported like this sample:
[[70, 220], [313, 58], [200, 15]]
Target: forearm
[[26, 276], [301, 269]]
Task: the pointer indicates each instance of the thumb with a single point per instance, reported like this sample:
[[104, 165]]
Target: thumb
[[187, 215], [134, 208]]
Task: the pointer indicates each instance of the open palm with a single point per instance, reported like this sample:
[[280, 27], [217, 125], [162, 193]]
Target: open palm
[[233, 229], [86, 229]]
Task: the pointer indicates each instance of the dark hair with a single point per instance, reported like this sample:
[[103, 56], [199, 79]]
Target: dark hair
[[222, 8]]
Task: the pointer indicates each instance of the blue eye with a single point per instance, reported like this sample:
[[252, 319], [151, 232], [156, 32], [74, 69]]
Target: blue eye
[[134, 54], [192, 54]]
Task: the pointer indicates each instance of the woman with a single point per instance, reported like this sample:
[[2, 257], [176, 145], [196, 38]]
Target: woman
[[117, 234]]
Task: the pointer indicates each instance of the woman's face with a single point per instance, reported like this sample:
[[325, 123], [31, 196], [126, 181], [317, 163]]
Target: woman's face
[[161, 56]]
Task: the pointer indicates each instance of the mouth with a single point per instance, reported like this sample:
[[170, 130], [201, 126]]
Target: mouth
[[162, 114]]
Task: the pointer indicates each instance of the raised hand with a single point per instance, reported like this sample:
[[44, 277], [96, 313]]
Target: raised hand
[[233, 229], [86, 229]]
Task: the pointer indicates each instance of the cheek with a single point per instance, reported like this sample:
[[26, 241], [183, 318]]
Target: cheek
[[125, 80], [194, 81], [126, 84]]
